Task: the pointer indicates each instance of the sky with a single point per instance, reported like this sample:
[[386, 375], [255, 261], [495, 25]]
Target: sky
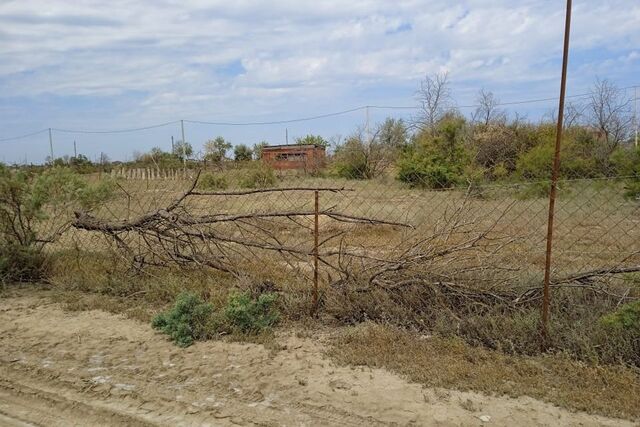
[[98, 65]]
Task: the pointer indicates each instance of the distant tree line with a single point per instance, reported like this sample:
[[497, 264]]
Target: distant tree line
[[441, 148]]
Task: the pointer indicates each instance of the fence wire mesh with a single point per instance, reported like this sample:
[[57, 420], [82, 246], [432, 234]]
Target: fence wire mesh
[[440, 227], [374, 232]]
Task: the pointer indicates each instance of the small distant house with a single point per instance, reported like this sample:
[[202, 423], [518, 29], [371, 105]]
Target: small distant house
[[309, 157]]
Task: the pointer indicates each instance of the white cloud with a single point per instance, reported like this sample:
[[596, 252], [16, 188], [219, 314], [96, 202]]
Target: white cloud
[[172, 52]]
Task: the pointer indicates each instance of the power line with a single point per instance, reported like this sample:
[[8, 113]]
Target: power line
[[13, 138], [526, 101], [159, 125], [279, 122]]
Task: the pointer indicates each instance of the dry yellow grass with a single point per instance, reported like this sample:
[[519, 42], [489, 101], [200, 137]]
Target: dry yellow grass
[[595, 226], [450, 363]]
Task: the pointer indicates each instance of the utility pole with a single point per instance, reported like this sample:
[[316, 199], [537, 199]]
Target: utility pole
[[173, 148], [51, 145], [367, 130], [554, 177], [184, 149], [286, 136], [635, 112], [75, 149]]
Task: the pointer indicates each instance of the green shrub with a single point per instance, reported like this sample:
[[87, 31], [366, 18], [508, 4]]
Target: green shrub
[[188, 320], [436, 159], [35, 209], [534, 190], [354, 168], [366, 158], [210, 181], [251, 315], [425, 171], [632, 190], [261, 177], [626, 162], [627, 318], [242, 153], [22, 264]]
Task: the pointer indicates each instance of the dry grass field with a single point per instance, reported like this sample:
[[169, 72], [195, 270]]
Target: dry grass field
[[595, 226], [461, 267]]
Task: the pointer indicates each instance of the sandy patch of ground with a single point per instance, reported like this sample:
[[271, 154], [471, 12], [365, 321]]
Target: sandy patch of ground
[[62, 368]]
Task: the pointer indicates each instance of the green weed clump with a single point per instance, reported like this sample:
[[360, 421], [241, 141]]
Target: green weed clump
[[251, 315], [192, 319], [261, 177], [189, 319], [632, 191], [626, 318], [210, 181]]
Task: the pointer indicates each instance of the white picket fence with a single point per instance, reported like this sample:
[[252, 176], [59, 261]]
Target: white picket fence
[[152, 173]]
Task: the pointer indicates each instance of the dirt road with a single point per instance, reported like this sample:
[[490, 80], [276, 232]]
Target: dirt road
[[93, 368]]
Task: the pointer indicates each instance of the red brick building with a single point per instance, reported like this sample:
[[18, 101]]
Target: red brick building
[[308, 157]]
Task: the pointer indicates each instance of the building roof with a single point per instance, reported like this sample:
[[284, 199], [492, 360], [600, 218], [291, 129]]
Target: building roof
[[268, 147]]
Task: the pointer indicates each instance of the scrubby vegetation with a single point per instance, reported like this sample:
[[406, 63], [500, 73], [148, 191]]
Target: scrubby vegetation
[[35, 209], [258, 177], [189, 320], [251, 315], [212, 181], [192, 319]]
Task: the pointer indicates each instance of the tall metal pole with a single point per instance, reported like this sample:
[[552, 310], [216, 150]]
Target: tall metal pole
[[635, 112], [51, 145], [368, 132], [184, 149], [314, 307], [75, 149], [286, 136], [554, 175]]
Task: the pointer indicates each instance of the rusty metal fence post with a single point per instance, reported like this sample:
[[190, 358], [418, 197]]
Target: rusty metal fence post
[[554, 178], [314, 307]]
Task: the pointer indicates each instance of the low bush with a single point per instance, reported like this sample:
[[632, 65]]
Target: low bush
[[251, 315], [428, 172], [534, 190], [632, 190], [626, 318], [22, 264], [585, 326], [210, 181], [192, 319], [260, 177], [35, 209], [189, 319]]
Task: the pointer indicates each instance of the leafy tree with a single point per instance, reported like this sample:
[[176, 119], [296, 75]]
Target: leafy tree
[[365, 158], [242, 153], [393, 133], [436, 158], [216, 149], [257, 149], [35, 209], [312, 140], [182, 149]]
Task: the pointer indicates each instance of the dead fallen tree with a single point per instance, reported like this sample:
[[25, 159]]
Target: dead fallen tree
[[174, 235], [462, 263]]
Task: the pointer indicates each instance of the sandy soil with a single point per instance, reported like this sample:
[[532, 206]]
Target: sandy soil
[[93, 368]]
